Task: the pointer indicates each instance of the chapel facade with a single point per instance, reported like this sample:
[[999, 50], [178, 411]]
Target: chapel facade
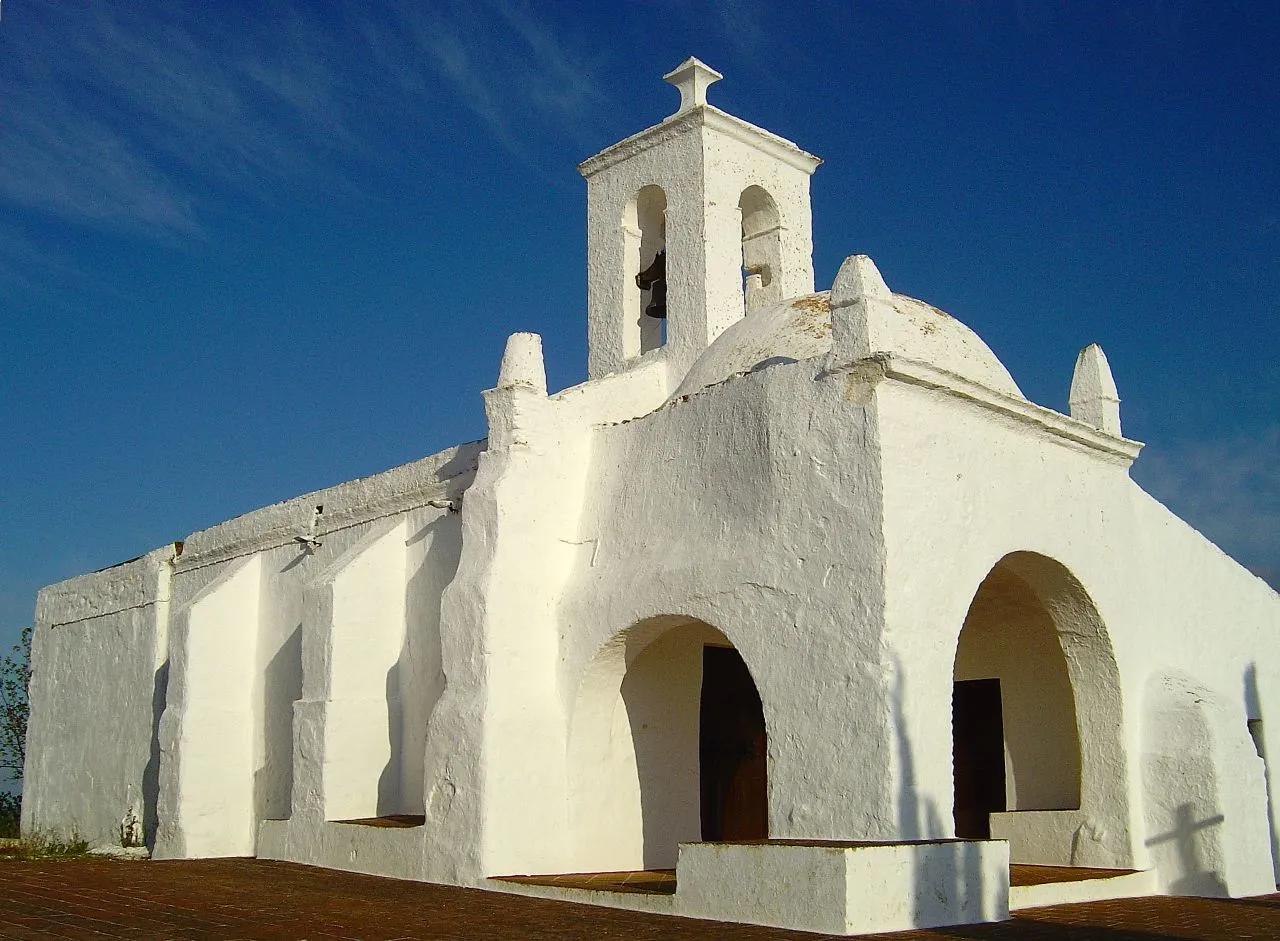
[[795, 612]]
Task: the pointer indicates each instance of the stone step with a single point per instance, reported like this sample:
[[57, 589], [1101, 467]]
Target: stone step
[[1037, 886]]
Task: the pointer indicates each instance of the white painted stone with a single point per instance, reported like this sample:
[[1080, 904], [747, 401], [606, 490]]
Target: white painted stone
[[119, 852], [1094, 398], [99, 653], [522, 363], [1203, 793], [845, 888], [507, 638], [360, 658], [208, 731], [692, 77], [1096, 889]]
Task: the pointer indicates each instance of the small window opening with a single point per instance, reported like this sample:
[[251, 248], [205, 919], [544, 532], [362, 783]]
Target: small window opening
[[645, 284], [761, 249]]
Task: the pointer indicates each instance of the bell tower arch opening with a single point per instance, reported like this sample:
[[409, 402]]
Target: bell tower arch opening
[[761, 249], [644, 228]]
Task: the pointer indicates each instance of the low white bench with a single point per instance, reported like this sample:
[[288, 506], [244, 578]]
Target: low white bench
[[845, 888]]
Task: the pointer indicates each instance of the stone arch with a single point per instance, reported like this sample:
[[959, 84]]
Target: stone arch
[[644, 228], [636, 756], [1032, 628], [1204, 800], [761, 248]]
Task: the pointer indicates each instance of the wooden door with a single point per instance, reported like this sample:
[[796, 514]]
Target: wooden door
[[733, 750]]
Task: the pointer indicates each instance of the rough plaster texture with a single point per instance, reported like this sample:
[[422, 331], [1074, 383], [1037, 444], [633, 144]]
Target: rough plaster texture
[[506, 638], [633, 748], [362, 602], [97, 683], [210, 735], [1203, 793]]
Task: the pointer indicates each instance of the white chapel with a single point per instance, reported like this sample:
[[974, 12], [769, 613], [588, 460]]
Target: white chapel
[[796, 612]]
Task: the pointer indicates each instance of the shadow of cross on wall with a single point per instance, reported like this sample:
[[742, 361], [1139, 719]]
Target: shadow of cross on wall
[[1194, 880]]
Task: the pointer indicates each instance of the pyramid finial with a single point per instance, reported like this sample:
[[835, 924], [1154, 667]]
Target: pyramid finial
[[859, 297], [692, 77], [857, 278], [1094, 399]]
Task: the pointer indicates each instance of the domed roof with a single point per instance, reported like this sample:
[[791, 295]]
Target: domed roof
[[800, 328]]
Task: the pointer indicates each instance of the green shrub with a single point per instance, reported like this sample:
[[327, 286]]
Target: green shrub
[[10, 814], [15, 678]]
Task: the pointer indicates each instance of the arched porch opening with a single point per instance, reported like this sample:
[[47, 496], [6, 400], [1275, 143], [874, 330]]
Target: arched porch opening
[[1036, 719], [667, 744]]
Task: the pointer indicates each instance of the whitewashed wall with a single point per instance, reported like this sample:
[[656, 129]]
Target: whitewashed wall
[[752, 507], [241, 737], [97, 689], [963, 491]]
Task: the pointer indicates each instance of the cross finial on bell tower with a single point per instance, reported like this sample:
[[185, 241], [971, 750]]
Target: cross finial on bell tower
[[692, 77]]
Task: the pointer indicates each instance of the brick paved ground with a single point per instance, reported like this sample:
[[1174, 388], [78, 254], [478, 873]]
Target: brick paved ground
[[228, 899]]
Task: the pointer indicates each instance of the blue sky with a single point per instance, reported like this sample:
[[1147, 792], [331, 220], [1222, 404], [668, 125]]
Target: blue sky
[[248, 250]]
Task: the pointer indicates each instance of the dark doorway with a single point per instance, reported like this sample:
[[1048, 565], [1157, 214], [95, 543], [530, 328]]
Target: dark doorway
[[977, 756], [733, 756]]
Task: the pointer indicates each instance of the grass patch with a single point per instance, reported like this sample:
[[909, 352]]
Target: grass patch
[[44, 846], [49, 845]]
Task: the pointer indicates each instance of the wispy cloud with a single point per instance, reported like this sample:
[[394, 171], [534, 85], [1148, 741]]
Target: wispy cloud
[[744, 24], [506, 65], [32, 268], [558, 81], [71, 163], [127, 118], [1229, 489], [133, 118]]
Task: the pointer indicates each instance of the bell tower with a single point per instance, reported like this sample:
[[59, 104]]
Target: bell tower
[[690, 224]]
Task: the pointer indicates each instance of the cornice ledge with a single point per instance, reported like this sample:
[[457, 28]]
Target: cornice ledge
[[442, 476], [674, 126], [748, 133], [1112, 448], [684, 122]]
